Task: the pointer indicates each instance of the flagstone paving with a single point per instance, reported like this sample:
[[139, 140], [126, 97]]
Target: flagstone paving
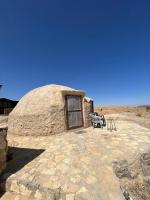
[[76, 165]]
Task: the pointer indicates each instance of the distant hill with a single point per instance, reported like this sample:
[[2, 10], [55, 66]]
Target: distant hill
[[144, 106], [143, 110]]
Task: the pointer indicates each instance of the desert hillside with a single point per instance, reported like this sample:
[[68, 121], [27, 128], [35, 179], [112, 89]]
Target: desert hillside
[[143, 111]]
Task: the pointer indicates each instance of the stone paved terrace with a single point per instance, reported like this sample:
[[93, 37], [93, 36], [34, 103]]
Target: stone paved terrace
[[76, 165]]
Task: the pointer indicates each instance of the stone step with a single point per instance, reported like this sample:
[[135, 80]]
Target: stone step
[[13, 196], [21, 190], [8, 196], [18, 196]]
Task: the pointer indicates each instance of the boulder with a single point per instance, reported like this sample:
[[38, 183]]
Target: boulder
[[121, 169], [145, 163]]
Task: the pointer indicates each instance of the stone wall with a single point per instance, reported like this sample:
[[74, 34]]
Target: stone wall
[[88, 108], [3, 148]]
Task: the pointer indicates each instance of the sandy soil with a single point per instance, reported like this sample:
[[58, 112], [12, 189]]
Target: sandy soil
[[138, 111], [140, 115]]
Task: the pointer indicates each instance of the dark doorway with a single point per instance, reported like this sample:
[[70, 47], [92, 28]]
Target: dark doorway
[[1, 111], [92, 106], [74, 111]]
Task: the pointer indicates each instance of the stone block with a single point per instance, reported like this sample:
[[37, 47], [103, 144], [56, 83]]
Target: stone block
[[3, 148]]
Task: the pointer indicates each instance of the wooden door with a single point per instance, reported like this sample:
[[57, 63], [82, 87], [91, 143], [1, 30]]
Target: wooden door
[[74, 111]]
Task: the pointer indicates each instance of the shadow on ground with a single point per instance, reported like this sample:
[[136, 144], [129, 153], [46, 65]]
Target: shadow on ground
[[80, 132], [17, 159]]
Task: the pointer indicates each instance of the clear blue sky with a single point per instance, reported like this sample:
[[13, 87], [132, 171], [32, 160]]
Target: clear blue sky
[[102, 47]]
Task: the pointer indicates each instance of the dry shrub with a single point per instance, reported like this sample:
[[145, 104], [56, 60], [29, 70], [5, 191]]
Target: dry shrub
[[139, 190], [139, 114]]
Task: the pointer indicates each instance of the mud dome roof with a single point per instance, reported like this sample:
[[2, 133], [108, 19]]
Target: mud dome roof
[[42, 111], [41, 99]]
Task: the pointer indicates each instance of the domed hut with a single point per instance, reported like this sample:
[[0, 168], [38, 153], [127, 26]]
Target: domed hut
[[49, 110]]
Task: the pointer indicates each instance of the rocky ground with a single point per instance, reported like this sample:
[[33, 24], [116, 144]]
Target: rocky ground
[[140, 115], [77, 165], [126, 116]]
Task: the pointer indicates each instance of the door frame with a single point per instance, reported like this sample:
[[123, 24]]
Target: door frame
[[66, 108]]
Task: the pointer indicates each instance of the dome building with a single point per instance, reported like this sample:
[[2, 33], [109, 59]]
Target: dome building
[[50, 110]]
